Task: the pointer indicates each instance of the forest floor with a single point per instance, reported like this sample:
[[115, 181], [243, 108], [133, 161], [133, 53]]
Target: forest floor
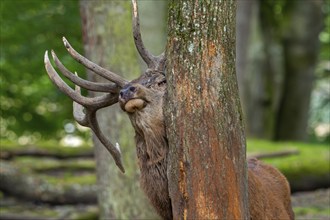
[[312, 205], [53, 167]]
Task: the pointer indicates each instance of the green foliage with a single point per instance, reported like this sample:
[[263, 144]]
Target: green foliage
[[274, 14], [325, 34], [30, 105]]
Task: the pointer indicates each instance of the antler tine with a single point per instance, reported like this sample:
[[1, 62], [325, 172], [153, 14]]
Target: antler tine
[[96, 102], [151, 60], [114, 151], [99, 87], [78, 111], [88, 119], [121, 82]]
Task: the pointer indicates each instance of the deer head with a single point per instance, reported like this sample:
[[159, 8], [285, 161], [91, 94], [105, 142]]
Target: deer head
[[132, 95]]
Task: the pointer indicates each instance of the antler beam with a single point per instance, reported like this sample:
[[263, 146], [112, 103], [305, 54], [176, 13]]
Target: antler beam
[[153, 62]]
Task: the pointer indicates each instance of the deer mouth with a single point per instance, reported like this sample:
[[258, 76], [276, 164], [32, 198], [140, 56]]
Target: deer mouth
[[134, 105]]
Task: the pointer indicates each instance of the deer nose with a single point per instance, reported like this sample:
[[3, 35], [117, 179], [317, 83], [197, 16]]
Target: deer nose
[[127, 92]]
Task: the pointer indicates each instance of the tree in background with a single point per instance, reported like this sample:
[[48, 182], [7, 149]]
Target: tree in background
[[301, 46], [277, 69], [108, 40], [206, 165]]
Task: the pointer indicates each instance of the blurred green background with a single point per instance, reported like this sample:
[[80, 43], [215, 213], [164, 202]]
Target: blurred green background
[[37, 117], [32, 109]]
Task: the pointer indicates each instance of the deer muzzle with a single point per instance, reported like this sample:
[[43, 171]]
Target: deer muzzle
[[129, 99]]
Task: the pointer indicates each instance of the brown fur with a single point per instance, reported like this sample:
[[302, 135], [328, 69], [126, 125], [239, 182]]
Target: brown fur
[[269, 192]]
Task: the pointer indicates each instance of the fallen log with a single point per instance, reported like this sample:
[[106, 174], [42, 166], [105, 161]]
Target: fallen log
[[7, 155], [32, 187], [21, 217], [284, 153]]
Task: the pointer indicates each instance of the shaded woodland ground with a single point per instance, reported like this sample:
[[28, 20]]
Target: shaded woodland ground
[[59, 183]]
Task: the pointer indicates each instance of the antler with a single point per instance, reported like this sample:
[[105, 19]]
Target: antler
[[84, 108], [94, 67], [153, 62]]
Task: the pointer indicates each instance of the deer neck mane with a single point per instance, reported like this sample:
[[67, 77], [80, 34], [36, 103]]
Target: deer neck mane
[[150, 137]]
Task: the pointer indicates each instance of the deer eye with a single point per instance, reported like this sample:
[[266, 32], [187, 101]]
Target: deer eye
[[162, 83]]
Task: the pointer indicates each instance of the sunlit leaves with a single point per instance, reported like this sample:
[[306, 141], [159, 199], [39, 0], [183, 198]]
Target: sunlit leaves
[[30, 104]]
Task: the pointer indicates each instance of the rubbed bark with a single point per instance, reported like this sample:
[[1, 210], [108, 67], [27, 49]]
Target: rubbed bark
[[33, 188], [301, 48], [207, 165], [108, 42]]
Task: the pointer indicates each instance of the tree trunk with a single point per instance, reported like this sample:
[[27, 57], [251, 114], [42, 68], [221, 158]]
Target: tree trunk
[[207, 167], [243, 33], [301, 47], [276, 80], [108, 41], [259, 70]]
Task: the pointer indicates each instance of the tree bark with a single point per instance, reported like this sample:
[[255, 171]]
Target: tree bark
[[207, 164], [301, 47], [108, 42]]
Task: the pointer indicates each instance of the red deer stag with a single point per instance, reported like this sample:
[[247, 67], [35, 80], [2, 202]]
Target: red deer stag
[[142, 100]]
